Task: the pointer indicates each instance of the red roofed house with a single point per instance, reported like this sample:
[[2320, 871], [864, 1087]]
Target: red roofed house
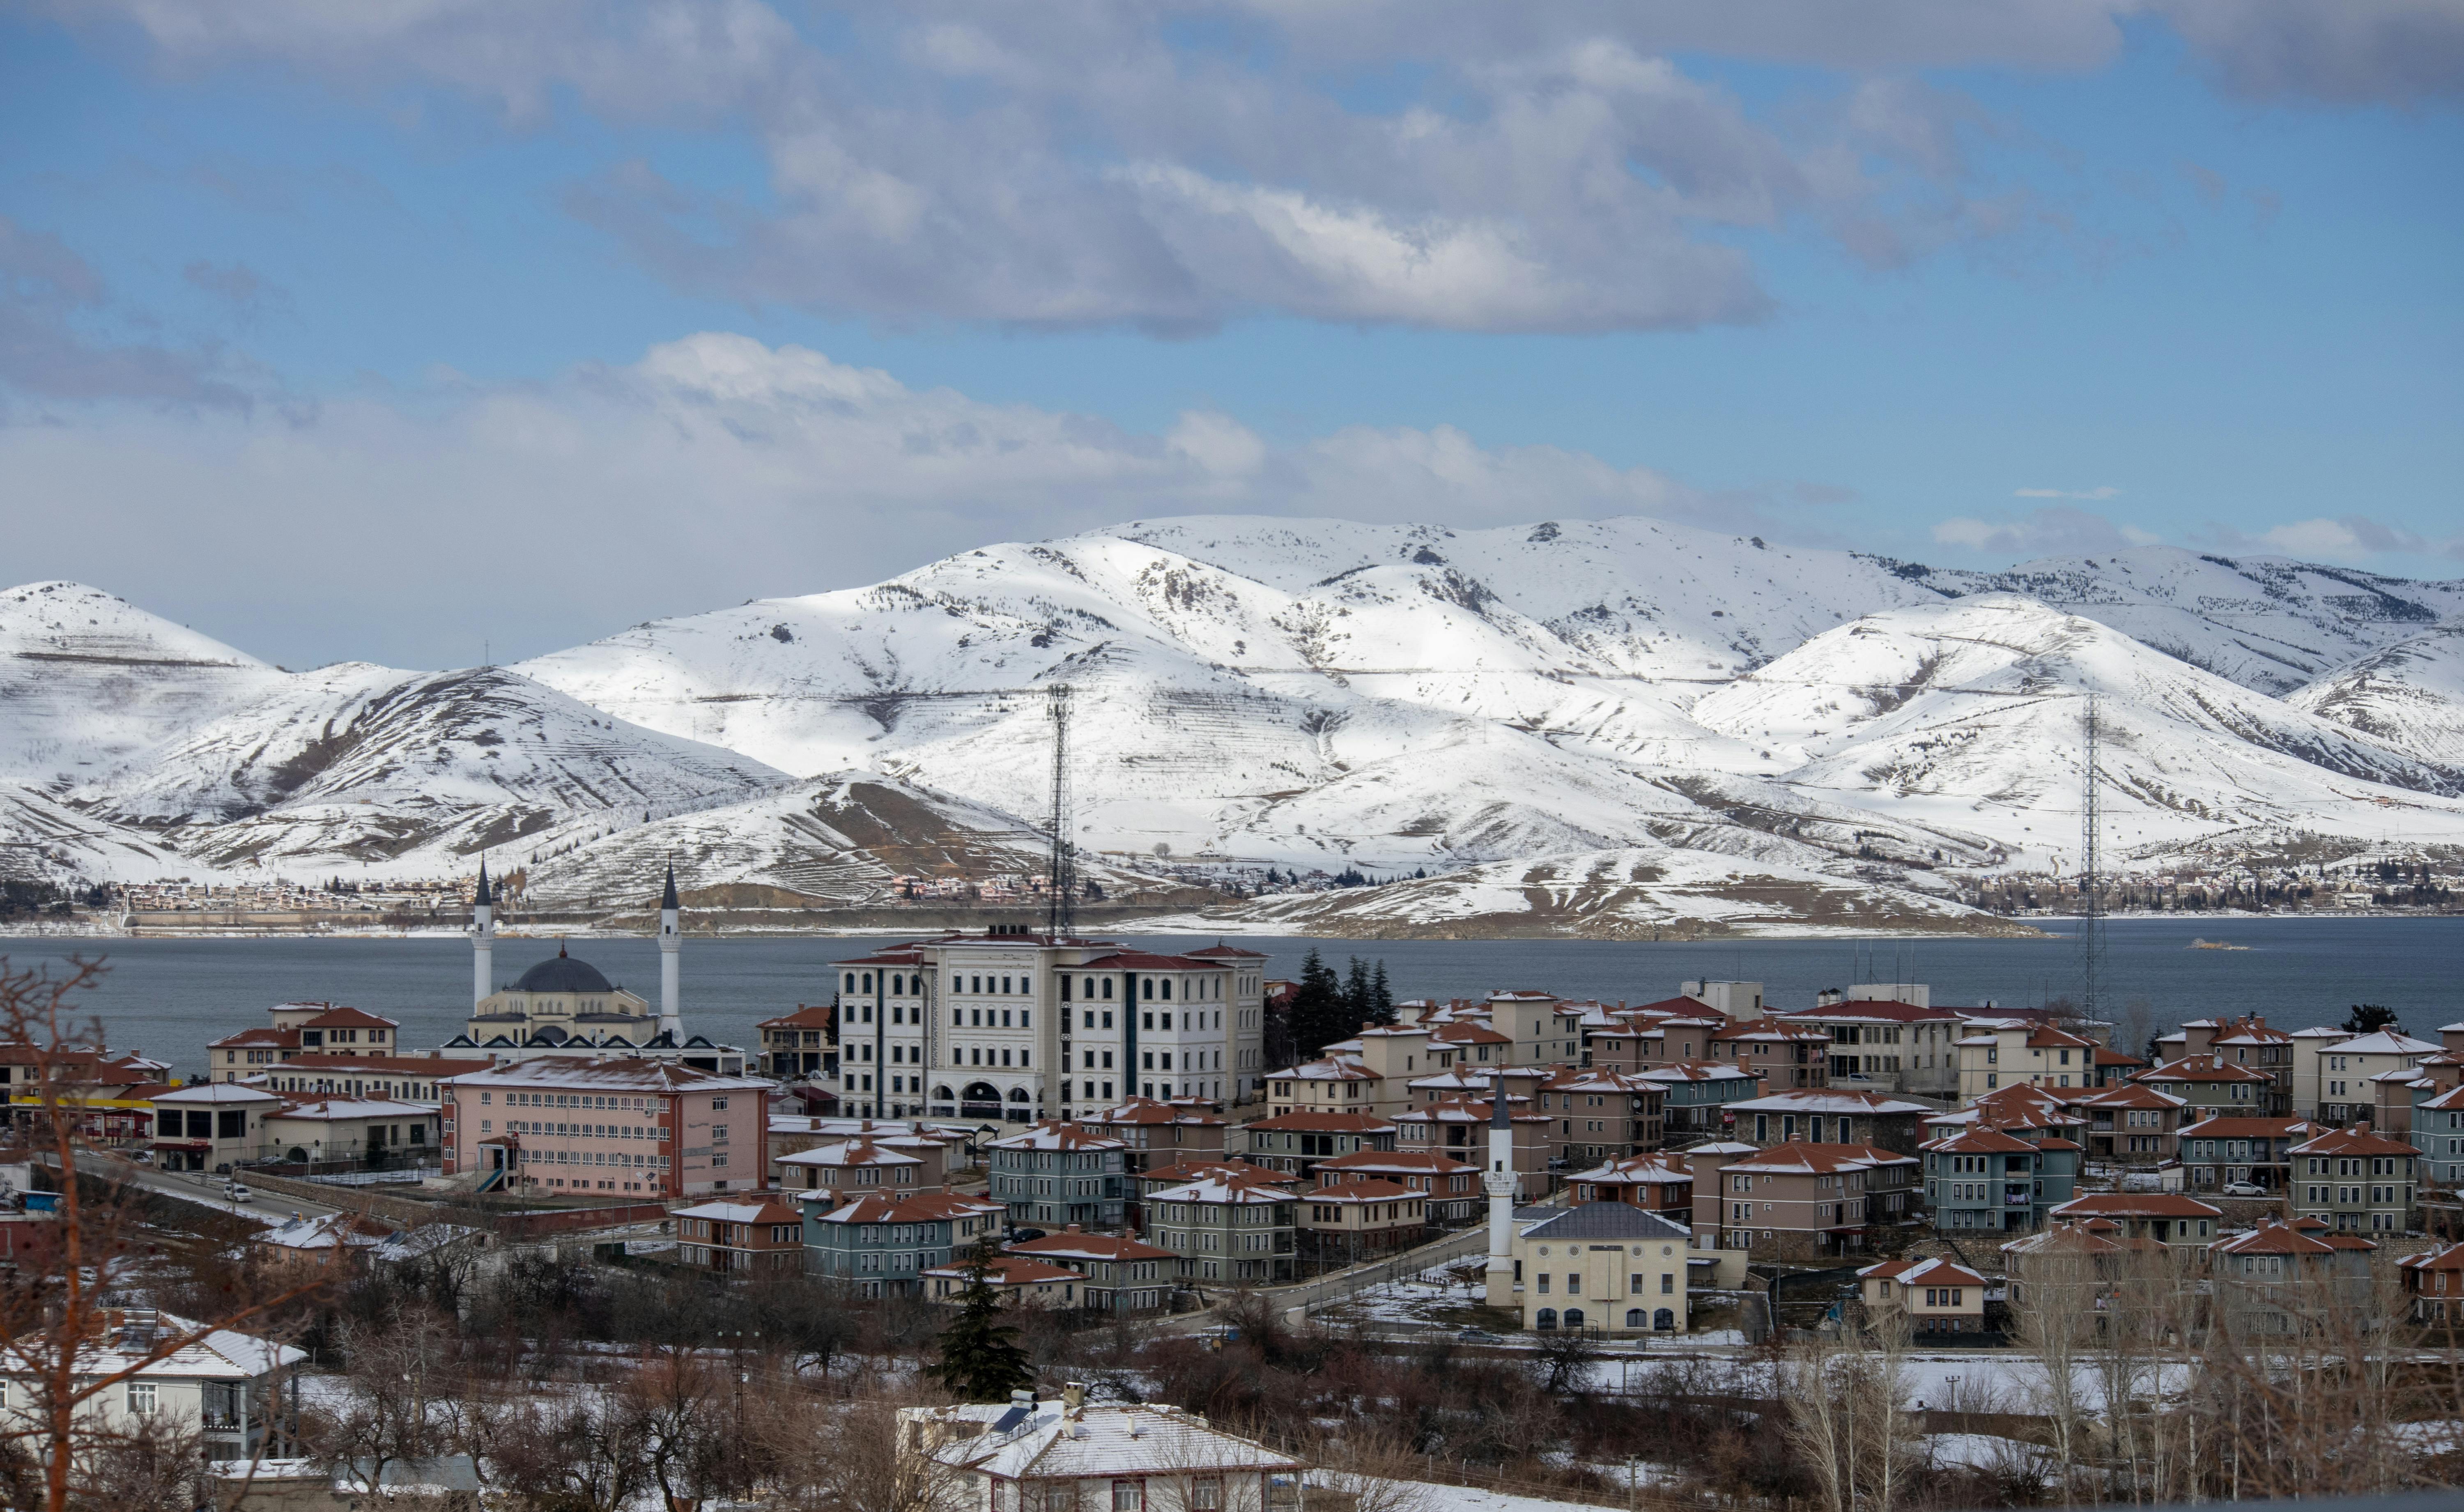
[[1884, 1045], [297, 1028], [1794, 1202], [1783, 1054], [2355, 1179], [1927, 1296], [2277, 1278], [1449, 1187], [1115, 1274], [1019, 1280], [1984, 1177], [2211, 1085], [755, 1235], [803, 1043], [2433, 1280], [2229, 1151], [1156, 1133], [1660, 1182], [1832, 1115], [1294, 1143], [2168, 1218], [1348, 1219], [1458, 1128], [2133, 1124], [1599, 1115]]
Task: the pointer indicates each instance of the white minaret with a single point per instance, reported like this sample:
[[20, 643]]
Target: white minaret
[[1498, 1182], [483, 940], [671, 1019]]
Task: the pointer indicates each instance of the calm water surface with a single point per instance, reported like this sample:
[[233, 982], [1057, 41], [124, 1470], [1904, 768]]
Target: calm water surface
[[169, 998]]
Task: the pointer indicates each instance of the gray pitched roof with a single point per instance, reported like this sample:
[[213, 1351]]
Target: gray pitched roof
[[1607, 1220]]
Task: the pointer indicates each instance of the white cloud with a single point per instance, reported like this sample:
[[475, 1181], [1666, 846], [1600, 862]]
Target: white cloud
[[713, 469], [2056, 529]]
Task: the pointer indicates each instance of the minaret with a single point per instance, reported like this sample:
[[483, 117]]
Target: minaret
[[671, 1021], [483, 940], [1498, 1182]]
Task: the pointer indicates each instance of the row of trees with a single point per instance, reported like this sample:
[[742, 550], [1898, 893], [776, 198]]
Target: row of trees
[[1326, 1007]]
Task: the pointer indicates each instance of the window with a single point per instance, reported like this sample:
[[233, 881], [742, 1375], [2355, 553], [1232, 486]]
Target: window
[[141, 1398], [1206, 1495], [1129, 1496]]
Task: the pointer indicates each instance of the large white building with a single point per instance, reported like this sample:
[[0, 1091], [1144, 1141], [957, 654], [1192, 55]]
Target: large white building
[[1022, 1026]]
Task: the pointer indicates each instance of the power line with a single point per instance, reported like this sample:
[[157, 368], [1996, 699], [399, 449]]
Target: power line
[[2091, 940]]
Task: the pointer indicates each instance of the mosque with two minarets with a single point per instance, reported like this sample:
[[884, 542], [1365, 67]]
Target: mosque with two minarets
[[565, 1006]]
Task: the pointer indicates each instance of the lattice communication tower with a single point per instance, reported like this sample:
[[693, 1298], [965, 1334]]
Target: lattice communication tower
[[1061, 899], [2091, 935]]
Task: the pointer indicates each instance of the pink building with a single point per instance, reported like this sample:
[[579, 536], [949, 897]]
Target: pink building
[[647, 1129]]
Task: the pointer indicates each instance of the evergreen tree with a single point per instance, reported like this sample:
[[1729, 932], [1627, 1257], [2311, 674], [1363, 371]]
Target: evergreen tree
[[980, 1360], [1317, 1008], [1381, 998], [2370, 1018], [1356, 1004]]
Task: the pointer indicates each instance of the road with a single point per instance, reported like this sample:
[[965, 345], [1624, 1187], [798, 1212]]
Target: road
[[207, 1194]]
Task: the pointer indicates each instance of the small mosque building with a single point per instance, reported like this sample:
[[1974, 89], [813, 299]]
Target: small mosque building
[[565, 1006]]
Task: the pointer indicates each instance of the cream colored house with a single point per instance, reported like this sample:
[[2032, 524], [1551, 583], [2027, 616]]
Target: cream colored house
[[1608, 1267], [1930, 1295]]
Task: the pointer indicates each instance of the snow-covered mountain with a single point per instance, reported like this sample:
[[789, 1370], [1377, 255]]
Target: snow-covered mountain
[[1687, 729], [2410, 694]]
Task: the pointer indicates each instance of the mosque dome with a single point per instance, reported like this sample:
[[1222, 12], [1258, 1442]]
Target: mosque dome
[[562, 973]]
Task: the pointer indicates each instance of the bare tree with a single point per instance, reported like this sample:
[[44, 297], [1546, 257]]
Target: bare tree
[[54, 1334]]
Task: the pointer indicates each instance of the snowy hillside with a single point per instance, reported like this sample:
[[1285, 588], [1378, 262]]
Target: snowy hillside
[[1610, 726], [2409, 695], [2262, 621], [363, 763], [1970, 713]]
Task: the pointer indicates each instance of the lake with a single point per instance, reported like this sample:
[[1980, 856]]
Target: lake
[[168, 997]]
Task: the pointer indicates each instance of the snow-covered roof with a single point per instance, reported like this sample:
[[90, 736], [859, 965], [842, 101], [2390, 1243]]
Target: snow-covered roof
[[1045, 1440], [342, 1110], [213, 1092], [1826, 1100], [585, 1073], [2386, 1041], [217, 1354]]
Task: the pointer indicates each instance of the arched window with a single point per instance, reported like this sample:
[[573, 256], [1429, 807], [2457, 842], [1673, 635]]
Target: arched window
[[1664, 1320], [1634, 1318], [1090, 988], [867, 981], [898, 984], [851, 986], [1545, 1318], [1146, 988], [1018, 1094], [1166, 989], [1573, 1317], [1107, 989], [942, 1093]]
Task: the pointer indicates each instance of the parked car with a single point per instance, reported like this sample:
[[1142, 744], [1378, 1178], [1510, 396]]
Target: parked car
[[2244, 1189], [1478, 1336]]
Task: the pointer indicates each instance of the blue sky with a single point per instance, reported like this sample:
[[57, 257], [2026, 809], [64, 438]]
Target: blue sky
[[701, 302]]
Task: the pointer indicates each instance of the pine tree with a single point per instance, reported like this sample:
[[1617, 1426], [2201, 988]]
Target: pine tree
[[980, 1360], [1357, 1005], [2370, 1018], [1381, 998], [1317, 1008]]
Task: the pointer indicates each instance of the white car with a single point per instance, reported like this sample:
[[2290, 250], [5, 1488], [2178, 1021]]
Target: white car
[[2244, 1189], [239, 1193]]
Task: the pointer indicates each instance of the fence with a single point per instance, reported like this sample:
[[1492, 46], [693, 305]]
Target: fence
[[1411, 1262]]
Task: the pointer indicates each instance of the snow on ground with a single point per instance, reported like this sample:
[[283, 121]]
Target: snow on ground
[[1424, 1496], [1980, 1451]]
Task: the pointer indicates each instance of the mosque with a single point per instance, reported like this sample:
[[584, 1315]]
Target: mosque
[[566, 1006]]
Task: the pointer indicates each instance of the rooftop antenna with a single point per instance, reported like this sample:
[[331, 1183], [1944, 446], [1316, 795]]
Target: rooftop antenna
[[1061, 898], [2091, 937]]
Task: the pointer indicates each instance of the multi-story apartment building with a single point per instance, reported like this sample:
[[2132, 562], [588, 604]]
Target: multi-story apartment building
[[2211, 1085], [409, 1078], [568, 1124], [2228, 1152], [1884, 1045], [2309, 1065], [1228, 1227], [1059, 1172], [1992, 1178], [2355, 1179], [2437, 1131], [2346, 1069], [2012, 1050], [1832, 1116], [1596, 1115], [1797, 1202], [1780, 1052], [883, 1245], [1346, 1221], [1156, 1133], [2133, 1124], [1025, 1027], [1296, 1143], [2433, 1283], [2282, 1279], [1697, 1096], [1676, 1029], [848, 1169], [2248, 1041]]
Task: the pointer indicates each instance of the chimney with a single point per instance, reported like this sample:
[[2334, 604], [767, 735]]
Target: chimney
[[1073, 1394]]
